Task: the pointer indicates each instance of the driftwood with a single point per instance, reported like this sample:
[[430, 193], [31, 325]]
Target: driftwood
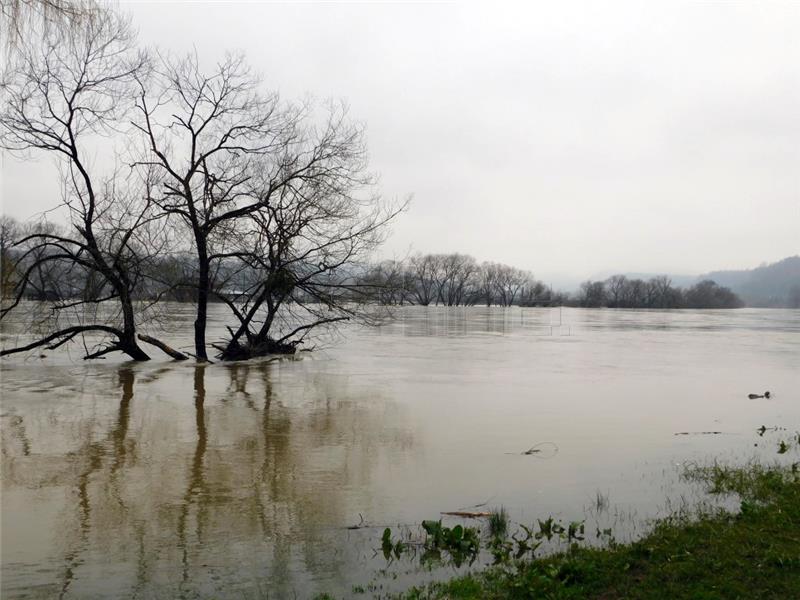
[[163, 347], [540, 450], [467, 514]]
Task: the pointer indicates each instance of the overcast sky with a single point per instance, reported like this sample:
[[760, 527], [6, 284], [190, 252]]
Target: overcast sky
[[567, 138]]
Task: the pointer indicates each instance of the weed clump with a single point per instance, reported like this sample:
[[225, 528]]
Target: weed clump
[[498, 522]]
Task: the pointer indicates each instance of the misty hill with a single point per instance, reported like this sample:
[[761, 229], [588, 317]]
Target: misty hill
[[774, 285]]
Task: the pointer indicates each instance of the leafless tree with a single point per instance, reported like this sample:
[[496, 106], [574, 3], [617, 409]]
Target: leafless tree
[[386, 283], [615, 287], [633, 294], [488, 281], [659, 291], [592, 294], [9, 231], [262, 194], [24, 19], [458, 277], [204, 133], [535, 293], [304, 241], [508, 283], [421, 273], [65, 92]]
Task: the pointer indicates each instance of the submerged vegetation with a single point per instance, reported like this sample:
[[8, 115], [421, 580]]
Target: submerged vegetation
[[498, 522], [710, 553], [704, 551]]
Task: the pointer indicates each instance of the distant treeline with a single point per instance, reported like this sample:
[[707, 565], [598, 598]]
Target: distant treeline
[[459, 280], [453, 280], [423, 279], [658, 292]]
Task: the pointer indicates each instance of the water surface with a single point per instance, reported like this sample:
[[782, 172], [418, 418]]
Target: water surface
[[240, 480]]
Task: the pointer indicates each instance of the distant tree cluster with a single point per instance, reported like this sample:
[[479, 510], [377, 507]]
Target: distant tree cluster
[[658, 292], [453, 280]]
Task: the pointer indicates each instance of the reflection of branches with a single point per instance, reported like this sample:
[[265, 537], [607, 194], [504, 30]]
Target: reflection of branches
[[95, 453], [248, 486], [196, 486], [239, 375], [119, 433], [18, 427]]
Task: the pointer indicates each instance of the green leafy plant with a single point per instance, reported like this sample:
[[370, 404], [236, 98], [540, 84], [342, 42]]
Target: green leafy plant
[[390, 547], [459, 542]]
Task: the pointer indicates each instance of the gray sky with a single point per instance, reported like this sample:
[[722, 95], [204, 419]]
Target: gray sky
[[567, 138]]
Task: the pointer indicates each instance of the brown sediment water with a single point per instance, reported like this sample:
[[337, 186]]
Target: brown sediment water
[[168, 479]]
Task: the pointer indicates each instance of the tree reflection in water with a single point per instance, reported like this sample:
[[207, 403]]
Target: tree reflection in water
[[254, 487]]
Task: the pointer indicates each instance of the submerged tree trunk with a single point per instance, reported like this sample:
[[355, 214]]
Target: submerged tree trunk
[[127, 342], [132, 349], [255, 348], [202, 298]]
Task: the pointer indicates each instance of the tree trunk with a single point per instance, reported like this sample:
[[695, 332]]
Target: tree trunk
[[202, 301], [127, 342]]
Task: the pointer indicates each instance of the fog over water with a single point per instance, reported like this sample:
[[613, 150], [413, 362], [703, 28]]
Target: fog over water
[[568, 139]]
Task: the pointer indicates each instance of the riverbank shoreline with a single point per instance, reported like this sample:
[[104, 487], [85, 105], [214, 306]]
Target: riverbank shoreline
[[711, 553]]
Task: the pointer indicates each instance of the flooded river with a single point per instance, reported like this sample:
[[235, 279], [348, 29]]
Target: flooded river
[[165, 480]]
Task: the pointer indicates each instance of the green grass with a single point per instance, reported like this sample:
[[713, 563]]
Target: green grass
[[498, 522], [711, 555]]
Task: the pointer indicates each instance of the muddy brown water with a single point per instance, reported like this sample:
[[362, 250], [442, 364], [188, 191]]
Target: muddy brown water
[[163, 480]]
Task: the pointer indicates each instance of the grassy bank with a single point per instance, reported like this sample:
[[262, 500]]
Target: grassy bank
[[711, 554]]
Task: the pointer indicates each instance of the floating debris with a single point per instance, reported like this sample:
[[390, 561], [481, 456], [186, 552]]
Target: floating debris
[[757, 396], [540, 450], [763, 429], [700, 433], [484, 503], [360, 524], [467, 514]]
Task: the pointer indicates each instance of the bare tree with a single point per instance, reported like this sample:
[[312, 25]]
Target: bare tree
[[21, 19], [9, 231], [63, 93], [535, 293], [385, 283], [268, 201], [615, 287], [633, 294], [659, 291], [205, 134], [592, 294], [488, 281], [421, 274], [508, 283], [311, 228], [459, 276]]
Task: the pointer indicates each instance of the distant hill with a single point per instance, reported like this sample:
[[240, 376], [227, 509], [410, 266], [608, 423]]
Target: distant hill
[[772, 285]]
